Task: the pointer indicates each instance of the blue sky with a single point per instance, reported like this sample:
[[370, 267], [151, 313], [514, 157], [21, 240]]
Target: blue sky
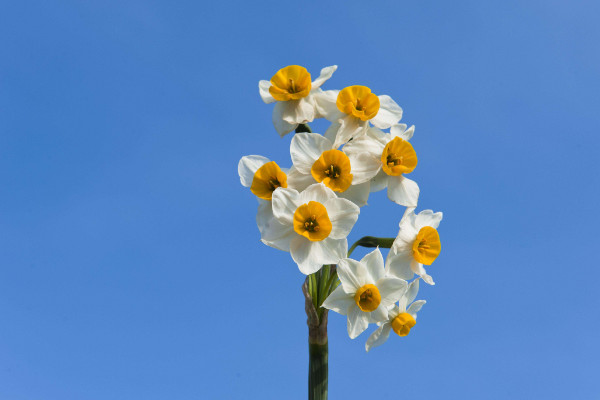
[[130, 266]]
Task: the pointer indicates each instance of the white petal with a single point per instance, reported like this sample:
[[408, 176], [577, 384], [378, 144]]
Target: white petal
[[325, 105], [409, 219], [373, 261], [316, 192], [331, 132], [415, 308], [379, 135], [353, 275], [379, 337], [413, 290], [357, 194], [401, 131], [247, 168], [310, 256], [339, 301], [299, 181], [343, 214], [404, 240], [285, 203], [306, 148], [391, 290], [263, 89], [358, 321], [364, 166], [282, 127], [272, 232], [403, 191], [350, 127], [389, 113], [380, 314], [325, 75], [399, 264], [299, 111], [418, 269], [428, 218], [365, 144], [379, 182]]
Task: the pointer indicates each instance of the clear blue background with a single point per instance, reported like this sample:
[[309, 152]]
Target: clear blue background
[[130, 266]]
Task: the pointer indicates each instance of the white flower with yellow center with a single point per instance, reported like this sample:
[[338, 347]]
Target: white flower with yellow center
[[417, 243], [312, 225], [292, 89], [315, 160], [263, 176], [351, 109], [389, 157], [365, 292], [400, 319]]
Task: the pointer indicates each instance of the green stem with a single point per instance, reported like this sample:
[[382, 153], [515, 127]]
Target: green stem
[[372, 241], [318, 370]]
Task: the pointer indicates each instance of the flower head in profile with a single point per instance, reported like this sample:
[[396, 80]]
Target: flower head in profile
[[316, 160], [352, 109], [388, 157], [365, 292], [417, 243], [312, 225], [400, 319], [261, 175], [291, 87]]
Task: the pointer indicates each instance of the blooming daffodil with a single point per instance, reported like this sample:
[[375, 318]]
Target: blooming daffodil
[[316, 160], [417, 243], [351, 109], [313, 225], [263, 177], [400, 319], [292, 89], [389, 157], [365, 292]]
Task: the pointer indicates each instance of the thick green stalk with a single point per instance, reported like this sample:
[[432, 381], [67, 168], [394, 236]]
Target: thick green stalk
[[316, 288], [318, 370]]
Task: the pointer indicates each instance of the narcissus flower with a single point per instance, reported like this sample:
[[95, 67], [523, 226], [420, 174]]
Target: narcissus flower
[[388, 156], [316, 160], [400, 319], [365, 292], [417, 243], [313, 225], [292, 89], [261, 175], [351, 109]]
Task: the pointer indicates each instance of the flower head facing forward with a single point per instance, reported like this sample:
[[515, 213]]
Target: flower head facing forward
[[358, 101], [400, 319], [312, 221], [417, 243], [352, 109], [291, 87], [290, 83], [388, 157], [312, 225], [333, 169], [365, 292], [315, 160], [398, 157]]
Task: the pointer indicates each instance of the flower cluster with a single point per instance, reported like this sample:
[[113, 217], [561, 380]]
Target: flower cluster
[[310, 208]]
